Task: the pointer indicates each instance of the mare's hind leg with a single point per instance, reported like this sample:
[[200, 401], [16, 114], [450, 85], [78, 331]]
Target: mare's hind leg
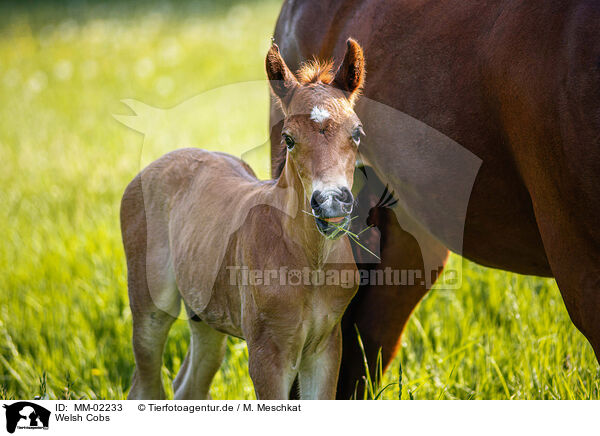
[[202, 361], [380, 313], [574, 258], [381, 310]]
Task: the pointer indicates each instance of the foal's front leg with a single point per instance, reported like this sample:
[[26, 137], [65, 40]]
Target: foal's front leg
[[319, 371], [273, 366]]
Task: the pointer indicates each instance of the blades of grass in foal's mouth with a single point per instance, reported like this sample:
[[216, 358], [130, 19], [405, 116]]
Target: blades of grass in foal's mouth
[[364, 248], [351, 235], [364, 230]]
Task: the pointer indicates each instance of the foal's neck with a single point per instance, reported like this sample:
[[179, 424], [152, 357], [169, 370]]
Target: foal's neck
[[299, 227]]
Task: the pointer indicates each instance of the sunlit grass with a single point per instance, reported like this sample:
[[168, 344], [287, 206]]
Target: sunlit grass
[[65, 324], [66, 160], [500, 336]]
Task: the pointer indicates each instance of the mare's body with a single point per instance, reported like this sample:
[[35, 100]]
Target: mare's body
[[515, 83]]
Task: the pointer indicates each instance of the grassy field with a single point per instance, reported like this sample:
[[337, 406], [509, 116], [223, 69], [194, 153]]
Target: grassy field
[[64, 319]]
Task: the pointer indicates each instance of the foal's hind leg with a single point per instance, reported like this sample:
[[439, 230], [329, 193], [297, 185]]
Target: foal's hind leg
[[203, 359], [150, 331], [153, 313]]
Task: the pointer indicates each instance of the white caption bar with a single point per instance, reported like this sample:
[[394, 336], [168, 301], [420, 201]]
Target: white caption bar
[[297, 417]]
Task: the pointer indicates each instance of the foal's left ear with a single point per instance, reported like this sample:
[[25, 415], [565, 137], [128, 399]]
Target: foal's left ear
[[350, 76]]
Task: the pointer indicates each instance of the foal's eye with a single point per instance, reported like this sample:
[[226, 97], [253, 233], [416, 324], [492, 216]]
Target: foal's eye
[[289, 141], [356, 133]]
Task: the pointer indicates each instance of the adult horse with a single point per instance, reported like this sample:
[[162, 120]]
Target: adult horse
[[516, 83]]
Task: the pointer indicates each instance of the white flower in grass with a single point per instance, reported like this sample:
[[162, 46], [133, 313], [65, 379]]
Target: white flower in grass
[[37, 81], [67, 30], [170, 52], [144, 68], [63, 70]]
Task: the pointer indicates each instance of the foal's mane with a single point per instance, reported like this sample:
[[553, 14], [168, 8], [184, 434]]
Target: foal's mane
[[315, 71], [311, 71]]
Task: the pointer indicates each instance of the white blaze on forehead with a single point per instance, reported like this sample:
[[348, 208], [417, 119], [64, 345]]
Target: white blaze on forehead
[[319, 114]]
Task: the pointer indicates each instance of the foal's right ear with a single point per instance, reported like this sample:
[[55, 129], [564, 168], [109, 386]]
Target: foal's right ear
[[281, 79]]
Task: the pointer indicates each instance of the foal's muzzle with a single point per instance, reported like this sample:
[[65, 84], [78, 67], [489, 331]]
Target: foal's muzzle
[[332, 209]]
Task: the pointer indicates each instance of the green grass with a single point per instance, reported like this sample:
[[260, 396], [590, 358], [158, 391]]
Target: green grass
[[65, 324]]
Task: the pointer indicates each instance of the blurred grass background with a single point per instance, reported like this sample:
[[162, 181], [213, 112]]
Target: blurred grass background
[[65, 324]]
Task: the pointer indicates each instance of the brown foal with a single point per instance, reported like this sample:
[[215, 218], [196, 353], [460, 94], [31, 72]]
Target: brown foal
[[199, 226]]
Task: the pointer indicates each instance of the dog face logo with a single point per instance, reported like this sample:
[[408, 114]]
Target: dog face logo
[[26, 415]]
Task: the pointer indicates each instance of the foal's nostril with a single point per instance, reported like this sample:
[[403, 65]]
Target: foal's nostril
[[344, 196], [332, 203], [315, 200]]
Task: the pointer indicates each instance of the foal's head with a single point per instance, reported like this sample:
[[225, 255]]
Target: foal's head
[[321, 131]]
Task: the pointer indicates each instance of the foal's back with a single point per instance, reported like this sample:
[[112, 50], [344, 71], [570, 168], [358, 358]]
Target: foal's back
[[178, 207]]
